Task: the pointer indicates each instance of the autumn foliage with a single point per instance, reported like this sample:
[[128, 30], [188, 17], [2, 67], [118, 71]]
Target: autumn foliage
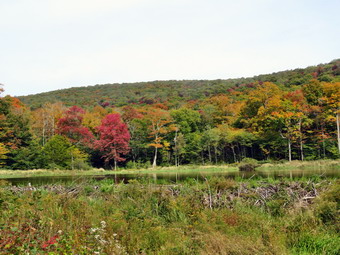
[[113, 139], [292, 115], [71, 126]]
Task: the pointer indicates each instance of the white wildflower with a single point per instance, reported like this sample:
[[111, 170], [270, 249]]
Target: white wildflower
[[93, 230], [103, 224]]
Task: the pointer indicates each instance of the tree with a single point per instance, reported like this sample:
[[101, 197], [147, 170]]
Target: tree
[[132, 118], [3, 152], [114, 139], [211, 139], [313, 92], [71, 126], [233, 139], [45, 119], [30, 157], [187, 120], [157, 121], [57, 152], [300, 106], [14, 123], [179, 148], [226, 109], [332, 103], [93, 118]]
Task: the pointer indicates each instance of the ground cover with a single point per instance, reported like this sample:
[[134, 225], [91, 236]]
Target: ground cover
[[335, 164], [213, 216]]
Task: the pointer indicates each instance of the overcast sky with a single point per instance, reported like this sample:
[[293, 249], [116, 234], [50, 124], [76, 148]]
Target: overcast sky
[[52, 44]]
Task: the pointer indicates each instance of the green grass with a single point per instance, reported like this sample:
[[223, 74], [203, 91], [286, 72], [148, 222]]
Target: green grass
[[294, 165], [4, 174]]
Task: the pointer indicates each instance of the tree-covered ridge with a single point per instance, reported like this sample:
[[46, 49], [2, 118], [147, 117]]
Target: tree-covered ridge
[[175, 92], [260, 120]]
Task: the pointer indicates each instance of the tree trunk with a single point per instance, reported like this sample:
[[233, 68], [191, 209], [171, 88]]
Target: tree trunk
[[233, 150], [176, 150], [301, 140], [43, 135], [323, 144], [155, 159], [338, 129], [215, 155], [289, 150], [115, 165], [72, 164], [209, 153], [301, 149], [224, 154]]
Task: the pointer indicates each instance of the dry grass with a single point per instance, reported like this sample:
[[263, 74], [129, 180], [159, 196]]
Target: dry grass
[[219, 243], [302, 164], [46, 172]]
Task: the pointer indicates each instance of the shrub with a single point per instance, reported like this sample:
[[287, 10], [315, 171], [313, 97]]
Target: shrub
[[327, 206], [248, 164], [247, 167]]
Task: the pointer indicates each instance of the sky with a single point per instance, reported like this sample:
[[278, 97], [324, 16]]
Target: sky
[[53, 44]]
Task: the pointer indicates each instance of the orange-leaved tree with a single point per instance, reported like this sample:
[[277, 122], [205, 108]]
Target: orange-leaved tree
[[157, 120], [331, 100]]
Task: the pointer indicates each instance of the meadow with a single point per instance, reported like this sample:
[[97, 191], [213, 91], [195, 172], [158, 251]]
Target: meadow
[[212, 216]]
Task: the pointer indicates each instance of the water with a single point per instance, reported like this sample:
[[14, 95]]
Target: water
[[179, 176]]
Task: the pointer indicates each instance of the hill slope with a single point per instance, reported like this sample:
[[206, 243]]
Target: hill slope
[[175, 91]]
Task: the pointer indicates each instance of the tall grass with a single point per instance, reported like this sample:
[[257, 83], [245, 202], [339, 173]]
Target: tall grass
[[188, 217]]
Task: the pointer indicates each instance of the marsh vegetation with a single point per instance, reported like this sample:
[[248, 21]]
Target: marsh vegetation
[[216, 215]]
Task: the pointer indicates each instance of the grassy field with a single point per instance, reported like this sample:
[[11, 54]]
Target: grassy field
[[215, 216], [182, 169]]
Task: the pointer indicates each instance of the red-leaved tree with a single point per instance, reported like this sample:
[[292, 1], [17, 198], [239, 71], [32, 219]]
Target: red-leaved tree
[[114, 139], [71, 126]]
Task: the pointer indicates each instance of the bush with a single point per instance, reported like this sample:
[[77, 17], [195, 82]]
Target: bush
[[81, 165], [247, 167], [138, 165], [327, 206], [248, 164], [249, 161], [219, 183], [54, 166]]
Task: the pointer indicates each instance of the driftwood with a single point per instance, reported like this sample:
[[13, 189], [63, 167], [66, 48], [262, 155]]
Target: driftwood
[[292, 193]]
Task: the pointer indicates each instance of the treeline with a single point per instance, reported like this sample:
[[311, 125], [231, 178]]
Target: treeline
[[264, 121], [175, 93]]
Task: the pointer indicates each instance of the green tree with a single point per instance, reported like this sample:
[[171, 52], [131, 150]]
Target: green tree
[[187, 120], [3, 152], [59, 152], [210, 141], [313, 92]]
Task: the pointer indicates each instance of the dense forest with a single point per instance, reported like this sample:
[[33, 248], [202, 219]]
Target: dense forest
[[289, 115], [176, 93]]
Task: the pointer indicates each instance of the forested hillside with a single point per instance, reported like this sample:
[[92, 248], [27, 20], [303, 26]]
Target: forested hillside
[[291, 115], [175, 92]]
